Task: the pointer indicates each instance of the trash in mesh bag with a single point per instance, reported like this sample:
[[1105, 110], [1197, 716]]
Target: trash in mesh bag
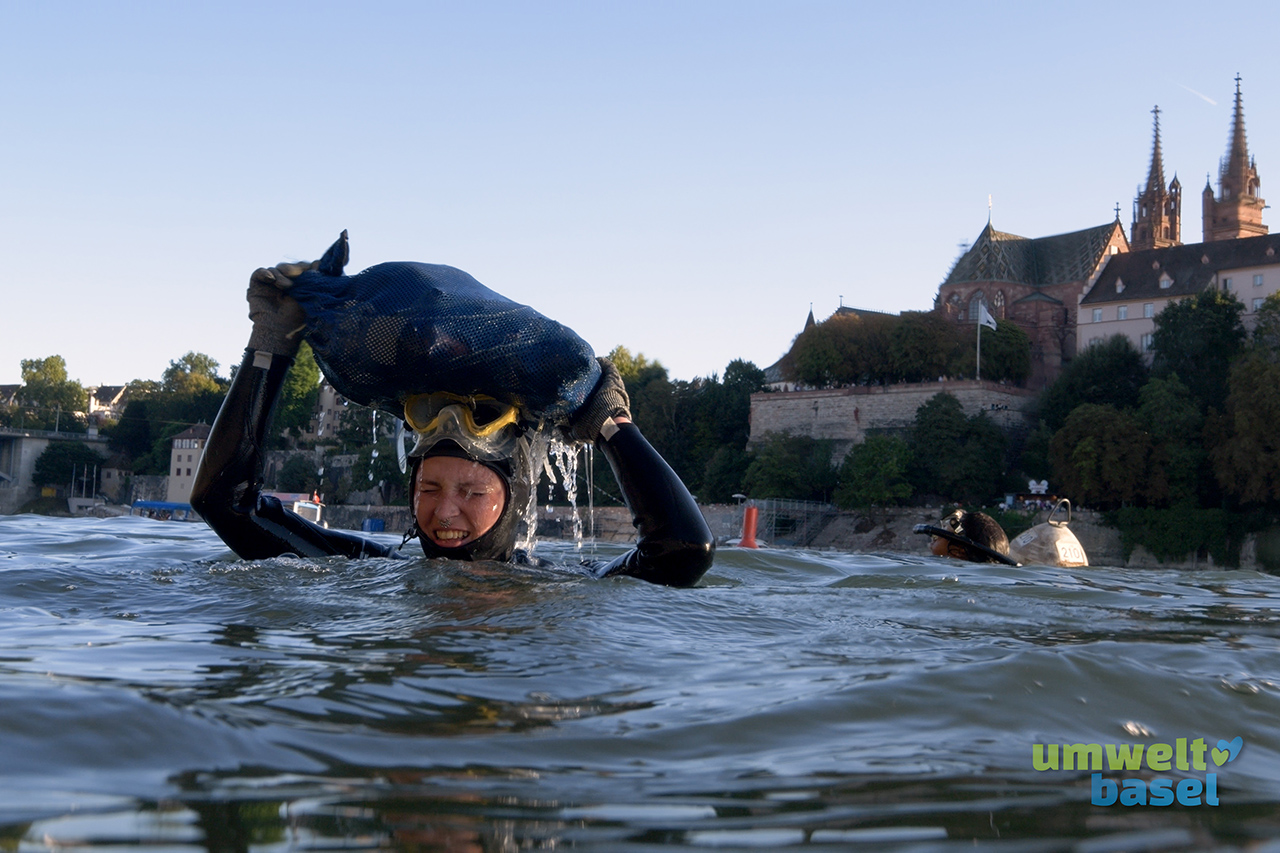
[[403, 328]]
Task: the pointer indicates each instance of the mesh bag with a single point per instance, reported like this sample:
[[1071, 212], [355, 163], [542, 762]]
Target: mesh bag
[[398, 329]]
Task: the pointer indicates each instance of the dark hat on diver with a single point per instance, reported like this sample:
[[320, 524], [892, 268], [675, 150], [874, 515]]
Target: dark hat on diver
[[498, 543], [960, 527]]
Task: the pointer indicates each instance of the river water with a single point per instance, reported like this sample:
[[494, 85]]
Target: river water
[[157, 692]]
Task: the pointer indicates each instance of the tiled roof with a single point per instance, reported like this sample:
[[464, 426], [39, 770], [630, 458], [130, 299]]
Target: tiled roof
[[1191, 268], [997, 256], [197, 431]]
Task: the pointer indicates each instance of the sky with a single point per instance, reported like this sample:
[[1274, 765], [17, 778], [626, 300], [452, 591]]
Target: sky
[[681, 178]]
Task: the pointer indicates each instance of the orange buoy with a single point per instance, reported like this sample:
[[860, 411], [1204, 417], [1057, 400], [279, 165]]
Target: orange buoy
[[749, 517]]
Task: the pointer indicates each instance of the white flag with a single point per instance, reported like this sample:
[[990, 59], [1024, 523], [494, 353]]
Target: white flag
[[984, 316]]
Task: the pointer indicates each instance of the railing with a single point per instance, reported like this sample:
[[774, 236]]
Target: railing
[[11, 432], [789, 522]]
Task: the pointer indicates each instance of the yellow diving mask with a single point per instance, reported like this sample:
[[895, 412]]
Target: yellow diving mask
[[485, 428]]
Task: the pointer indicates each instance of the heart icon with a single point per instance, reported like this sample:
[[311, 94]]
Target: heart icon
[[1227, 750]]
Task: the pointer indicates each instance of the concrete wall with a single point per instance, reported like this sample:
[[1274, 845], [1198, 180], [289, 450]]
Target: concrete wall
[[19, 450], [845, 415]]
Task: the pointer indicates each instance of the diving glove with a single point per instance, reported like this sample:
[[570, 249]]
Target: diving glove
[[278, 319], [608, 400]]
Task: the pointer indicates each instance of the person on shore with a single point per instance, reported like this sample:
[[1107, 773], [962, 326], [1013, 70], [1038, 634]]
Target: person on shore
[[472, 468]]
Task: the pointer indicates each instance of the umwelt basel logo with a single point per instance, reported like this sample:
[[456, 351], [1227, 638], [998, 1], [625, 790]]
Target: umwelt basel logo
[[1187, 756]]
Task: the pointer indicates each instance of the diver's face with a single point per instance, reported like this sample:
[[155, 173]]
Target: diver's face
[[456, 501]]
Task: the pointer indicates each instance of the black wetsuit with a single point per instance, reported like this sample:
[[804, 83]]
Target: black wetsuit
[[675, 545]]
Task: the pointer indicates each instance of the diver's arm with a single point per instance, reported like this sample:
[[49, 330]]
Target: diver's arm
[[676, 546], [228, 482]]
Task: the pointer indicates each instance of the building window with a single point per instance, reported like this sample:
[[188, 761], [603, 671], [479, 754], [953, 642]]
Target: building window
[[1119, 286], [1122, 313], [1257, 304], [177, 472], [977, 299], [1257, 280], [1147, 341], [1165, 282], [1097, 315], [1148, 310], [1226, 283], [188, 472]]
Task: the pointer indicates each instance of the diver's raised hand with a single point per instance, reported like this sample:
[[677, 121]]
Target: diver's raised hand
[[608, 400], [278, 319]]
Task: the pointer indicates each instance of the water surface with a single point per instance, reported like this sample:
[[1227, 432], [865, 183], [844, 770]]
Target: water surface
[[155, 691]]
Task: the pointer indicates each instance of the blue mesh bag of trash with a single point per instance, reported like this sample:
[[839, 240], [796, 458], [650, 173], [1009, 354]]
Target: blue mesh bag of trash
[[403, 328]]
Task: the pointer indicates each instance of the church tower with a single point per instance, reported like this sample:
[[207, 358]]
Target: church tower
[[1237, 210], [1157, 211]]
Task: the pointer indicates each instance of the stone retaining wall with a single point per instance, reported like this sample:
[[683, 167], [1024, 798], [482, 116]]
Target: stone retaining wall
[[858, 532], [845, 415]]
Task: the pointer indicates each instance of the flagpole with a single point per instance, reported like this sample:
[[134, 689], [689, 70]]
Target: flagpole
[[978, 374]]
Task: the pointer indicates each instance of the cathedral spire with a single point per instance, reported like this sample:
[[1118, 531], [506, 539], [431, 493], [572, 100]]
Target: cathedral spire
[[1157, 211], [1237, 210], [1155, 177], [1236, 168]]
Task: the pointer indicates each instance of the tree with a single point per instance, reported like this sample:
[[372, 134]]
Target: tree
[[62, 460], [1266, 334], [1107, 373], [1170, 417], [299, 394], [724, 475], [923, 345], [635, 369], [1196, 339], [191, 375], [52, 398], [1246, 458], [132, 434], [297, 474], [1006, 353], [874, 473], [795, 467], [953, 456], [1103, 458]]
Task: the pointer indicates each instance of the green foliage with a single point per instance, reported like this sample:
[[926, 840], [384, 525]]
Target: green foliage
[[1265, 341], [635, 370], [1035, 460], [955, 457], [191, 375], [299, 394], [1173, 424], [874, 473], [1246, 455], [794, 467], [1172, 534], [1108, 373], [49, 399], [1196, 339], [923, 345], [55, 466], [1102, 457], [1006, 353], [852, 349], [297, 474], [723, 476], [131, 435]]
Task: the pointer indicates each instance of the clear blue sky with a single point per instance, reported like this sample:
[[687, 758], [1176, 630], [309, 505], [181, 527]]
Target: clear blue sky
[[683, 178]]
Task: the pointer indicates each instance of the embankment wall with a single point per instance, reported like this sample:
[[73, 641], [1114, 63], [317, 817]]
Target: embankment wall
[[863, 531]]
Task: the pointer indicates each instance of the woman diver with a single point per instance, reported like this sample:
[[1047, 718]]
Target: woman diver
[[471, 473]]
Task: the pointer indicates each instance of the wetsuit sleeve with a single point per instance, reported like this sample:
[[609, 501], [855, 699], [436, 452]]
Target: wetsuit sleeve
[[227, 489], [676, 545]]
